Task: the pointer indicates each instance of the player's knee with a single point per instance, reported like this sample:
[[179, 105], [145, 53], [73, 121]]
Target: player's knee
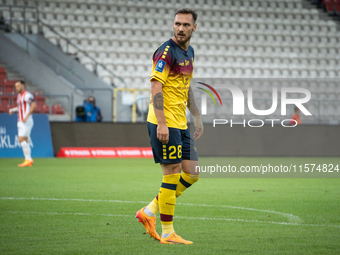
[[194, 178], [171, 168], [21, 139]]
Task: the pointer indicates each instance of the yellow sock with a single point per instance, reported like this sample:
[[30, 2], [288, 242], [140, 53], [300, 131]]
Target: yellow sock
[[153, 206], [167, 201], [185, 178], [185, 182]]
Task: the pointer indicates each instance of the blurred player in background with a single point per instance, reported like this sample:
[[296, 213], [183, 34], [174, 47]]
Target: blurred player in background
[[171, 142], [296, 117], [25, 108]]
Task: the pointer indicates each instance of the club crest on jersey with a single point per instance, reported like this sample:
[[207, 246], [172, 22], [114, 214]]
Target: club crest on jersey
[[160, 66]]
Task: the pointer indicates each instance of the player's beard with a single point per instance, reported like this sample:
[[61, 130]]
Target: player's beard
[[180, 39], [19, 91]]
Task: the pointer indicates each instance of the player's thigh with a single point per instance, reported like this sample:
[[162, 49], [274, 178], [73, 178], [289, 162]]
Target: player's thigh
[[189, 148], [24, 129], [29, 126], [170, 153], [190, 156], [21, 129]]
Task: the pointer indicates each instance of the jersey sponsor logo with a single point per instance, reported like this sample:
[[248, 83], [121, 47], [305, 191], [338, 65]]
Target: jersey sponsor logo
[[185, 63], [160, 66]]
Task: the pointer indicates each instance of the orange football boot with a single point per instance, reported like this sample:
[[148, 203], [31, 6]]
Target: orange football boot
[[174, 239], [27, 162], [149, 223]]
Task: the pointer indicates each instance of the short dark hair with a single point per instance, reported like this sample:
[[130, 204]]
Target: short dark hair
[[21, 81], [188, 11]]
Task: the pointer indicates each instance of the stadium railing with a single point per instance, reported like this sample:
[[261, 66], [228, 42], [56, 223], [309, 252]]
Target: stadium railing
[[40, 24], [130, 102], [51, 99]]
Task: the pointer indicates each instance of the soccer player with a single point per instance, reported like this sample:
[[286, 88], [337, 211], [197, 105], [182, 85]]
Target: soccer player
[[25, 108], [296, 117], [171, 142]]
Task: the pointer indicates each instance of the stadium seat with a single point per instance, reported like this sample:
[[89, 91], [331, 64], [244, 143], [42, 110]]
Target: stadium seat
[[9, 82], [13, 100], [43, 109], [337, 6], [4, 100], [329, 6], [2, 71], [106, 76], [2, 78], [249, 30], [57, 109], [9, 88], [39, 99]]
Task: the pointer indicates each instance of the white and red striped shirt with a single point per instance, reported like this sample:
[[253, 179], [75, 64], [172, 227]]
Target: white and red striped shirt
[[24, 101]]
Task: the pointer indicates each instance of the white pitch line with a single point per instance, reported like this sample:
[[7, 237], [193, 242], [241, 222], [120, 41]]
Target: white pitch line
[[291, 217], [178, 217]]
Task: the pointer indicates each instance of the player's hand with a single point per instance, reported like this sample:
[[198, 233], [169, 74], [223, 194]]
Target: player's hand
[[199, 127], [24, 120], [163, 133], [10, 111]]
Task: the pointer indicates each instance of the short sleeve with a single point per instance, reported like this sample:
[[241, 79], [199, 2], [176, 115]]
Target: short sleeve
[[161, 64], [192, 62], [29, 98], [192, 73]]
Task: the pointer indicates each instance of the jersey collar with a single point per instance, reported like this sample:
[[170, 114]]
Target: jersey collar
[[179, 46]]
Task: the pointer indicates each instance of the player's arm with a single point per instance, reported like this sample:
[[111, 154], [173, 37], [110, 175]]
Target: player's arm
[[33, 106], [13, 110], [158, 105], [195, 112]]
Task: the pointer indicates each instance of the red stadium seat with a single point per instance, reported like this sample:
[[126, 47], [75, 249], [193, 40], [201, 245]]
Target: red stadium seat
[[337, 6], [45, 109], [56, 109], [13, 100], [2, 78], [329, 6], [2, 71], [9, 82], [7, 107], [39, 99], [2, 109], [8, 88], [38, 109], [4, 100], [42, 109]]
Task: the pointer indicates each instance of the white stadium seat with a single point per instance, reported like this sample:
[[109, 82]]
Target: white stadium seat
[[250, 38]]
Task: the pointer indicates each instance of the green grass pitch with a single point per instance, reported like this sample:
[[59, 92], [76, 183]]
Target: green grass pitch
[[88, 206]]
